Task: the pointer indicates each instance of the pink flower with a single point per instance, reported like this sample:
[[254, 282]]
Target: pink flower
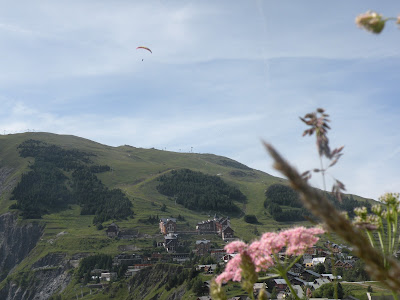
[[299, 239], [296, 241], [232, 271], [236, 246]]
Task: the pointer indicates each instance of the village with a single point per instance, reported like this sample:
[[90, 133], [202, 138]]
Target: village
[[310, 273]]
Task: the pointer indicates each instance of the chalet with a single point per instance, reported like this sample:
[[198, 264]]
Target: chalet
[[112, 230], [318, 260], [203, 247], [319, 282], [171, 242], [110, 276], [227, 233], [298, 281], [180, 257], [206, 227], [127, 259], [280, 284], [308, 262], [291, 274], [228, 257], [209, 269], [167, 225], [331, 277], [218, 254], [345, 264], [257, 287], [311, 251], [220, 223], [299, 291], [297, 268], [309, 275]]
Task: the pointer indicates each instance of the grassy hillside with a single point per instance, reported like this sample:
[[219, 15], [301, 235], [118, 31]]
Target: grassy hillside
[[135, 171]]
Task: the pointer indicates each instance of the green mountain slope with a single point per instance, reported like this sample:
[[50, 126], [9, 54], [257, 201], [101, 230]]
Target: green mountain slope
[[136, 172]]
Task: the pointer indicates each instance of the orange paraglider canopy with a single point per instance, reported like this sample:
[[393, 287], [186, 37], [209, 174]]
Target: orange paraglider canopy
[[145, 48]]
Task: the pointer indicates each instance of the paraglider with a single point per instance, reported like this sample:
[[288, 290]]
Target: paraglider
[[145, 48]]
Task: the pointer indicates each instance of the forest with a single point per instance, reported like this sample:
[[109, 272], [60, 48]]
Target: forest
[[196, 190], [50, 186], [278, 195]]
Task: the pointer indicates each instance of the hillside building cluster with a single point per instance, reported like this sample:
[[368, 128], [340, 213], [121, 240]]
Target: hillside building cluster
[[302, 275]]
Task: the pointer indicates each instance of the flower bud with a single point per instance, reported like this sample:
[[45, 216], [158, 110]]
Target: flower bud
[[377, 210], [371, 21], [361, 212], [217, 292]]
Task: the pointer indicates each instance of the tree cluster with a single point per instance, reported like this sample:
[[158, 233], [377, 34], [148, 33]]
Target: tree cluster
[[252, 219], [46, 187], [96, 199], [195, 190], [278, 195], [59, 157], [98, 261]]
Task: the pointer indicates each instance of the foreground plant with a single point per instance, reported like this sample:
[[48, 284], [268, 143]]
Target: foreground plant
[[263, 255], [318, 123], [373, 22], [385, 238]]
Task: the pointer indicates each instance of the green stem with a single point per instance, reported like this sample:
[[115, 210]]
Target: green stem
[[293, 262], [389, 230], [294, 293], [282, 271], [371, 238], [322, 171], [267, 277], [380, 234], [394, 245], [394, 293]]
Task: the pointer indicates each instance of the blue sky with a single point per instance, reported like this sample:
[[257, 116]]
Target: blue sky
[[223, 75]]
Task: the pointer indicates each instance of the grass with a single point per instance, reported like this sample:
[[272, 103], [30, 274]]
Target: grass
[[359, 290], [135, 171]]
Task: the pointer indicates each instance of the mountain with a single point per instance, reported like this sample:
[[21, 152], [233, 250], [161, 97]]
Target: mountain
[[59, 193]]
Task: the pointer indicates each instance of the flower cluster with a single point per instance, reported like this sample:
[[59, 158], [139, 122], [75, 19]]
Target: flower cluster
[[261, 251], [371, 21]]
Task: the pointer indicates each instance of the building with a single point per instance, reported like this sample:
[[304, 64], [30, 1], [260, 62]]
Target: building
[[280, 284], [308, 262], [318, 260], [110, 276], [203, 247], [209, 269], [228, 257], [112, 230], [171, 242], [220, 223], [218, 254], [206, 227], [227, 233], [127, 259], [167, 225]]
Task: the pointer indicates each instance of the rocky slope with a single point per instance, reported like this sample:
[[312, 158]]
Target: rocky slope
[[16, 241], [48, 276]]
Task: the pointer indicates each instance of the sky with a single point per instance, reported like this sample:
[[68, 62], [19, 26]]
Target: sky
[[223, 76]]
